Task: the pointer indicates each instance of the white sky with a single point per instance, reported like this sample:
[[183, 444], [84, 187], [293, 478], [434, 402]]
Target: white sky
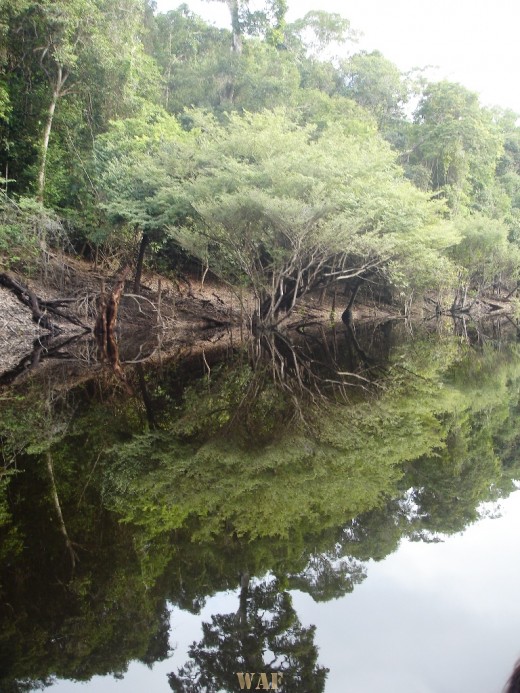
[[474, 42]]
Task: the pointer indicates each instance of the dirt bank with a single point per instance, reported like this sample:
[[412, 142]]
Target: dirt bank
[[167, 314]]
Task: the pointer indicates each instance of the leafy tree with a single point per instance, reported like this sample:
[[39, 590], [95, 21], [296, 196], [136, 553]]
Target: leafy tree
[[376, 84], [199, 71], [129, 174], [486, 254], [264, 78], [193, 58], [273, 22], [318, 32], [458, 144], [290, 207], [67, 53], [508, 170], [268, 22]]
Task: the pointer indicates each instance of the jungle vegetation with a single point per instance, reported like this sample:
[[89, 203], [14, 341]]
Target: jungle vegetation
[[129, 136], [158, 138]]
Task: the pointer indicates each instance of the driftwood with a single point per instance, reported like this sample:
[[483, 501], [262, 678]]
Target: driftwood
[[41, 307]]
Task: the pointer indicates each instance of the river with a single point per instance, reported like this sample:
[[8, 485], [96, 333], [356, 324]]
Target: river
[[337, 512]]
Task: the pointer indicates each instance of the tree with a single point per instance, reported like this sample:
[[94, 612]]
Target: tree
[[291, 207], [318, 32], [487, 258], [268, 22], [59, 51], [376, 84], [508, 170], [193, 58], [129, 174], [458, 144]]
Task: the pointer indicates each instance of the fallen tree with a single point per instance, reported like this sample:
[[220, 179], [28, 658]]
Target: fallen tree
[[41, 307]]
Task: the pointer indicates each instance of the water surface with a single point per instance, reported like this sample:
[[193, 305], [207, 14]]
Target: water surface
[[323, 507]]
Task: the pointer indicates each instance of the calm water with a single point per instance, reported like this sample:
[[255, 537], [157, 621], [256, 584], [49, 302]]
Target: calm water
[[342, 509]]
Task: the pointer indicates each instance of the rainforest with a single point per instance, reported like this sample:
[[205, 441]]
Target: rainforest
[[259, 330]]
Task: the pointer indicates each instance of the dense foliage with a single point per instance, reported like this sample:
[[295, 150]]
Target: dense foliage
[[253, 151]]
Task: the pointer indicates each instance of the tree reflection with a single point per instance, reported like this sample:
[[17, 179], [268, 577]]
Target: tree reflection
[[329, 575], [264, 635], [277, 467]]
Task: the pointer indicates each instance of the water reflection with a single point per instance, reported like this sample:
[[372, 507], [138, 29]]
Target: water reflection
[[281, 466], [264, 635]]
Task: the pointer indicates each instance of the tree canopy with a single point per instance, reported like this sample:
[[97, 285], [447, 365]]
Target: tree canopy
[[72, 75]]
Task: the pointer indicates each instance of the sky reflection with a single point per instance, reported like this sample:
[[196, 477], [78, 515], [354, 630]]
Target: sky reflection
[[430, 618]]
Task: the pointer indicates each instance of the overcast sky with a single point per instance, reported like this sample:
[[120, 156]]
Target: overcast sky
[[474, 42]]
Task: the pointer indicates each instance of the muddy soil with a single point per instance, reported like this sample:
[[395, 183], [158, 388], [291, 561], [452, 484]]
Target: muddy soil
[[167, 315]]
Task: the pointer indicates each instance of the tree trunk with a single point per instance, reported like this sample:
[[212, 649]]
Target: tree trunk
[[235, 26], [145, 240], [347, 313], [57, 92]]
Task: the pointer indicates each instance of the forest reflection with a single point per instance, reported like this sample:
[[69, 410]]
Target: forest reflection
[[262, 468]]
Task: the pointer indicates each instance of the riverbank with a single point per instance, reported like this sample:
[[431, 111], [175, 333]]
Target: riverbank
[[168, 313]]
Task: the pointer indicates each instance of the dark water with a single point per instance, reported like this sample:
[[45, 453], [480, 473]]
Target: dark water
[[325, 508]]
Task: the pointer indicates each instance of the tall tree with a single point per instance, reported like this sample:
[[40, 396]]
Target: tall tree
[[62, 49], [458, 144]]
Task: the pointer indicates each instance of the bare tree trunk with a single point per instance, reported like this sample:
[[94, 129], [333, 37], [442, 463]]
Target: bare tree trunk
[[57, 92], [145, 240]]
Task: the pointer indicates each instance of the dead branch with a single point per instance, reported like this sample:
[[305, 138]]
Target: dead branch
[[29, 299]]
